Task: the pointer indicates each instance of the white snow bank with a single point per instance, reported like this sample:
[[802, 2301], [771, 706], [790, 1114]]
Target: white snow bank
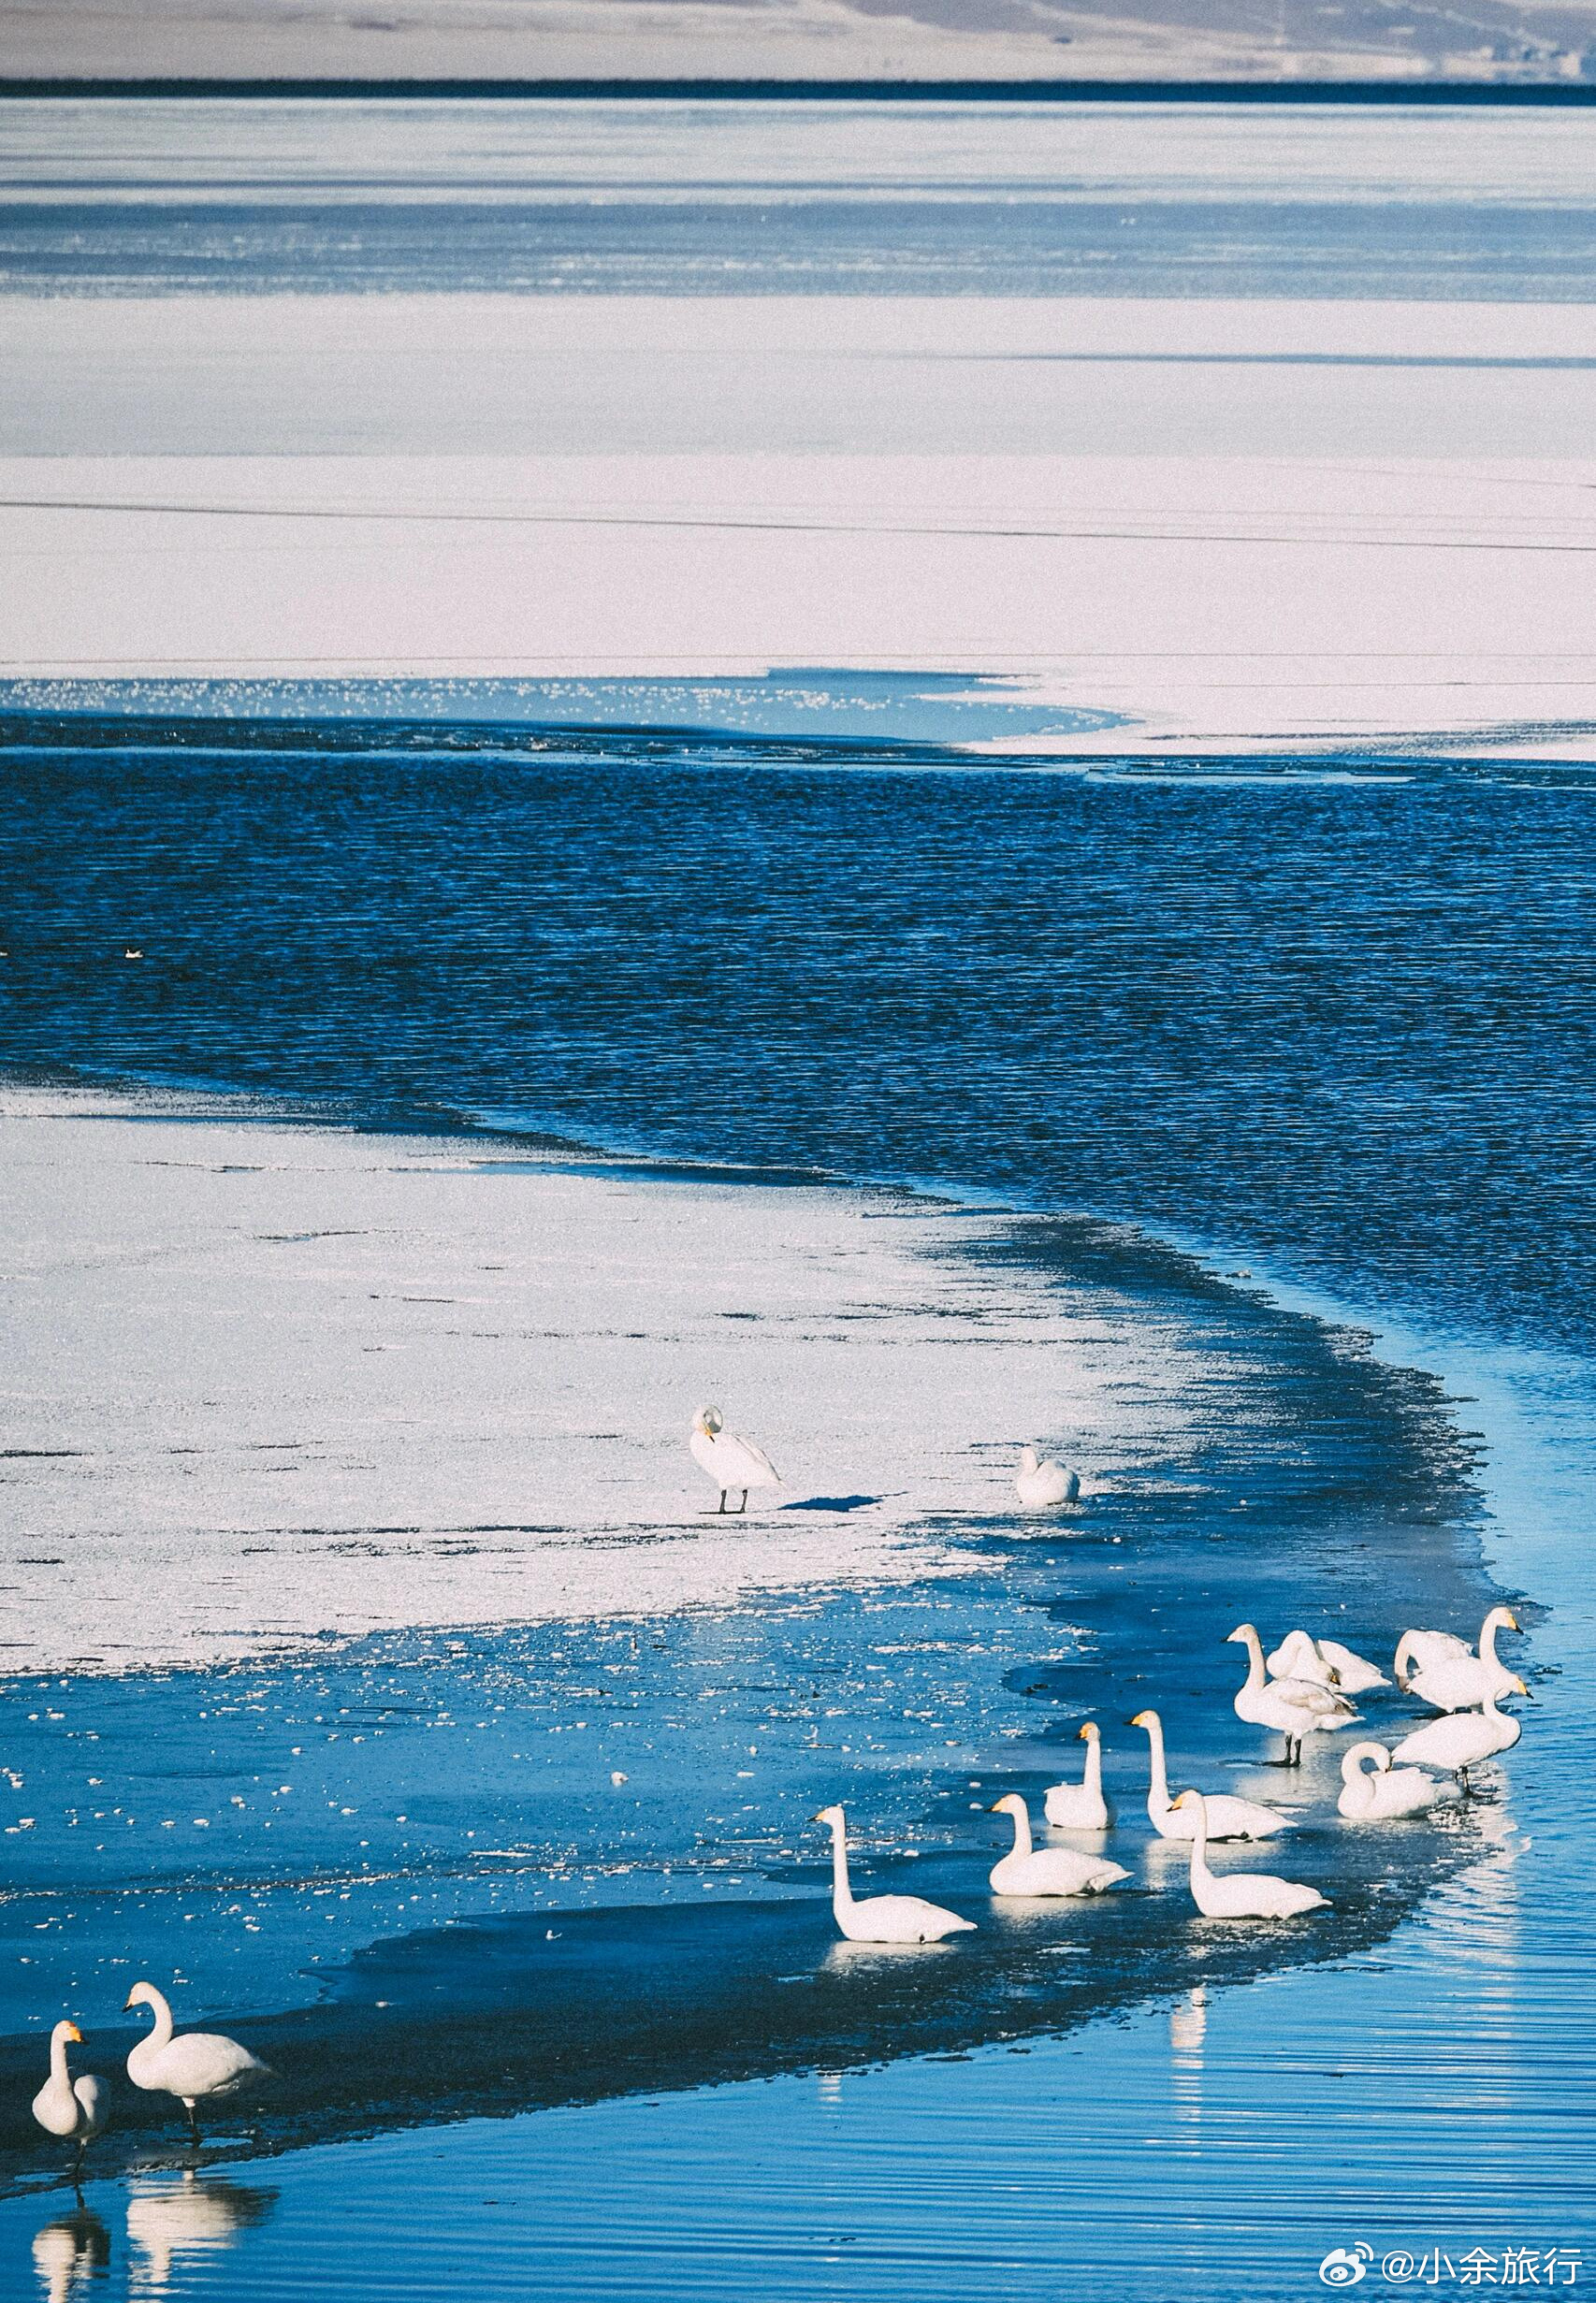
[[1217, 602], [264, 1381]]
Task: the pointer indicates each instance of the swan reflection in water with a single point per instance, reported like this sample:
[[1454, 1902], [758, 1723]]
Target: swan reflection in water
[[169, 2220], [70, 2251], [883, 1959], [1188, 2027]]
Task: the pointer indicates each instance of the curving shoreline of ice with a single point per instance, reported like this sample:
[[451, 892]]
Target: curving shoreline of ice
[[268, 1381]]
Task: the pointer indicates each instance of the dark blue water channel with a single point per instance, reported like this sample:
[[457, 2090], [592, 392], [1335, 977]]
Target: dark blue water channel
[[1342, 1017]]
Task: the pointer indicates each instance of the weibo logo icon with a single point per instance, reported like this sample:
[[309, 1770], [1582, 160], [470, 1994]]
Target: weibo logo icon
[[1344, 2266]]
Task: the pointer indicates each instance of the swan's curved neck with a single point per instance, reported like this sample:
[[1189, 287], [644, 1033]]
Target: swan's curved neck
[[1254, 1660], [842, 1894], [1157, 1779], [1093, 1779], [1199, 1847], [1022, 1831], [1362, 1770], [161, 2031], [58, 2059], [1489, 1630], [1404, 1655]]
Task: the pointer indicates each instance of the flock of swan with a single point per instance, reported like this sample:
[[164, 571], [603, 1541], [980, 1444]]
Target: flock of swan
[[1305, 1688], [195, 2066]]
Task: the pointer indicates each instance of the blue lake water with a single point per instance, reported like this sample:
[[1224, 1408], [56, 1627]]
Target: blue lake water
[[1334, 1019], [1338, 1011]]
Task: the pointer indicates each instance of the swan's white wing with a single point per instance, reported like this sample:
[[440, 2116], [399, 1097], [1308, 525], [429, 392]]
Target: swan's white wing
[[756, 1457], [1307, 1695], [903, 1918], [739, 1463], [1426, 1648], [1229, 1817], [1354, 1671], [1297, 1658], [203, 2062]]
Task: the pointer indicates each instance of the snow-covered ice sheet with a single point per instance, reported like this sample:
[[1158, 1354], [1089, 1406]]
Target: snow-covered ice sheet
[[1212, 602], [264, 1382]]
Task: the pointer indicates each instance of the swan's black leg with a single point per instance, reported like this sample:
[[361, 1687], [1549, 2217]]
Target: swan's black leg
[[744, 1505], [192, 2123], [724, 1493]]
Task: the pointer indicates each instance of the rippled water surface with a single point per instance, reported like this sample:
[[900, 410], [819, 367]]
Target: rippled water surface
[[1343, 1013]]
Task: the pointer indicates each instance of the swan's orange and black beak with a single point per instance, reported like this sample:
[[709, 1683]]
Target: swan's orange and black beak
[[73, 2033]]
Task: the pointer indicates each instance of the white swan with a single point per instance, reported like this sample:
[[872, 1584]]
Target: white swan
[[1454, 1744], [1047, 1871], [1299, 1656], [882, 1918], [1239, 1894], [192, 2066], [1040, 1484], [1388, 1792], [75, 2110], [1080, 1807], [1419, 1649], [735, 1465], [1228, 1818], [1450, 1676], [1294, 1708]]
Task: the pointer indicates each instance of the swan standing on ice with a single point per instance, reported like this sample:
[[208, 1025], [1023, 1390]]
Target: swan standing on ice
[[735, 1465], [194, 2065], [1228, 1818], [1296, 1708], [1080, 1807], [75, 2110], [1299, 1657], [1388, 1792], [883, 1919], [1040, 1484], [1239, 1894], [1449, 1676], [1454, 1744], [1047, 1871]]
